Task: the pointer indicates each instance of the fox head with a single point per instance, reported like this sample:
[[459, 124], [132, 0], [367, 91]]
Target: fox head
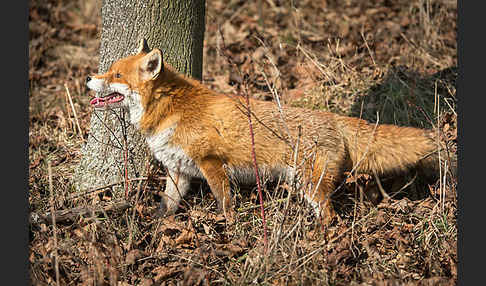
[[121, 85]]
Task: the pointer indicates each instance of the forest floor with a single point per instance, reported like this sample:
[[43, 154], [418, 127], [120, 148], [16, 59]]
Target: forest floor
[[391, 61]]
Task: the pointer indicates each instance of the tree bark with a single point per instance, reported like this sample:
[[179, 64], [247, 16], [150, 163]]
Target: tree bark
[[176, 27]]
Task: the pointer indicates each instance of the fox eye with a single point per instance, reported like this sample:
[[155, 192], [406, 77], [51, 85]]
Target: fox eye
[[118, 75]]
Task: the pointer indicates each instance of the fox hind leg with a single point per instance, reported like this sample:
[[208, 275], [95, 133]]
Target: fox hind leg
[[324, 175], [319, 197]]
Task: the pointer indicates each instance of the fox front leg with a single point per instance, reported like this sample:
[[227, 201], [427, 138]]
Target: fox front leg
[[177, 185], [218, 182]]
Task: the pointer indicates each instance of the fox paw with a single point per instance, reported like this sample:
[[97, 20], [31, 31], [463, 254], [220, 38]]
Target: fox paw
[[164, 210]]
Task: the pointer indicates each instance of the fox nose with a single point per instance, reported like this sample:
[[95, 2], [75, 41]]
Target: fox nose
[[88, 79]]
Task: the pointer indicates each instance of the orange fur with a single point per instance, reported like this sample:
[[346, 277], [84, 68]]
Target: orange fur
[[212, 130]]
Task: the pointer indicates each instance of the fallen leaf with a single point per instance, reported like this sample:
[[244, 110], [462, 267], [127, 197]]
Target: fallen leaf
[[164, 272], [185, 237], [146, 282]]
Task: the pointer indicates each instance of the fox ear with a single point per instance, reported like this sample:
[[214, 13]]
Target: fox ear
[[151, 65], [142, 47]]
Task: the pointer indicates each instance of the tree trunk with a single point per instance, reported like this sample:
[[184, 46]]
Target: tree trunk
[[176, 27]]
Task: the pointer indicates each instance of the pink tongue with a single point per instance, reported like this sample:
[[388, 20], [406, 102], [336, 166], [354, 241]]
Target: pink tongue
[[102, 101], [96, 101]]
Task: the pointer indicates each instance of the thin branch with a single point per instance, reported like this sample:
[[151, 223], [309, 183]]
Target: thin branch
[[74, 112], [53, 220], [73, 213], [130, 234], [257, 176]]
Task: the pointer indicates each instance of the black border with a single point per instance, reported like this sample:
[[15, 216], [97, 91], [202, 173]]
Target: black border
[[15, 140], [470, 94]]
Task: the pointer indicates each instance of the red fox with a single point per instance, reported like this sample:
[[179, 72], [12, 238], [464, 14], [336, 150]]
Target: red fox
[[197, 132]]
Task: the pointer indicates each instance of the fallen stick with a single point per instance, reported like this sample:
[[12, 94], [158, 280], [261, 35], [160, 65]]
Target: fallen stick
[[74, 213]]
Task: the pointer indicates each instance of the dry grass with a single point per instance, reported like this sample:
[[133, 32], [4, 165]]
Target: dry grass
[[396, 59]]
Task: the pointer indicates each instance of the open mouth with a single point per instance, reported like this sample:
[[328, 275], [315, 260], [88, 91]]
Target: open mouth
[[106, 100]]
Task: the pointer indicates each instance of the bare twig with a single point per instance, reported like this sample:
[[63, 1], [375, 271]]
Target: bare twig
[[441, 186], [273, 90], [74, 111], [380, 187], [257, 176], [318, 65], [102, 121], [125, 156], [53, 219], [130, 234], [407, 184], [368, 47]]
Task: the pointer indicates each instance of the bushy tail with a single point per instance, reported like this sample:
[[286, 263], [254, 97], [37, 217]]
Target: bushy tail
[[386, 149]]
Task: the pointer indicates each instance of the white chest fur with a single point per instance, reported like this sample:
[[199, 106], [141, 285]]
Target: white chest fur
[[173, 157]]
